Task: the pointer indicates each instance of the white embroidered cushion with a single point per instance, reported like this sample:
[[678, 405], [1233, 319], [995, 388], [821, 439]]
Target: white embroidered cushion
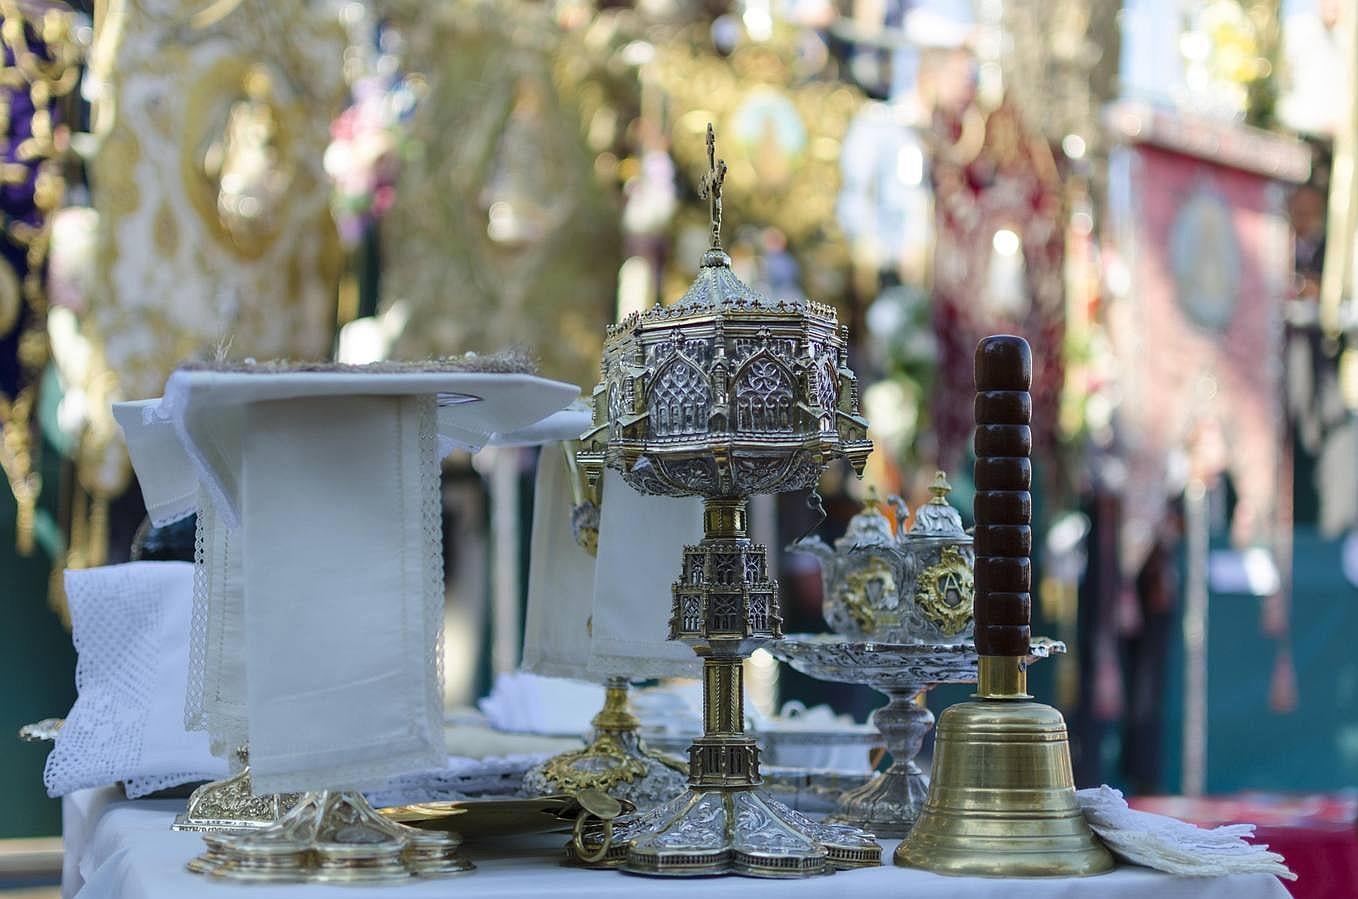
[[130, 624]]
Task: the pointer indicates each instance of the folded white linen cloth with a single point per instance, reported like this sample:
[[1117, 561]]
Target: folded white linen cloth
[[556, 641], [129, 624], [1174, 846], [641, 541], [567, 424], [325, 553], [169, 485], [342, 549], [215, 700]]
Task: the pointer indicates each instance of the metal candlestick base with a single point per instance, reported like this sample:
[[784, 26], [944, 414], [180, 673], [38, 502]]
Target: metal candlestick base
[[724, 605], [334, 837], [616, 762], [890, 803], [228, 805]]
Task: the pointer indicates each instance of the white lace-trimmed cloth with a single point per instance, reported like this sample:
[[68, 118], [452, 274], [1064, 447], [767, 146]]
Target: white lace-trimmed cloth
[[169, 485], [1174, 846], [326, 488], [215, 695], [341, 547], [560, 577], [129, 623], [641, 541], [587, 618]]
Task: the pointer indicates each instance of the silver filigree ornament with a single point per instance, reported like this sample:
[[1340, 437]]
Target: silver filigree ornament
[[910, 586], [725, 394]]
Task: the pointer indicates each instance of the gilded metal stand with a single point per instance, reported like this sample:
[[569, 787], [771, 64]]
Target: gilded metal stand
[[616, 761], [334, 837], [724, 604], [227, 805], [726, 394]]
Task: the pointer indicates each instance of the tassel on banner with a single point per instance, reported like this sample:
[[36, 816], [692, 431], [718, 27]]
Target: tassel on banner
[[1282, 689]]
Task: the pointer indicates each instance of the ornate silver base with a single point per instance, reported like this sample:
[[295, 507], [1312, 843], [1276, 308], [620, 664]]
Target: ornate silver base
[[225, 806], [332, 837], [229, 805], [890, 803], [704, 832], [724, 823], [616, 762]]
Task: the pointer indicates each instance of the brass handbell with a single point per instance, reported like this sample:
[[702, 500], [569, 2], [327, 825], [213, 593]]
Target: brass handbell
[[1002, 801]]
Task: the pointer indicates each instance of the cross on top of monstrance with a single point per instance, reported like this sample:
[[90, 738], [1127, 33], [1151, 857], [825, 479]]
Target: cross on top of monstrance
[[710, 188]]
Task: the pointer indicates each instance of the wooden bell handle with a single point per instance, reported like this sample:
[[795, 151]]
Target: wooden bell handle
[[1003, 507]]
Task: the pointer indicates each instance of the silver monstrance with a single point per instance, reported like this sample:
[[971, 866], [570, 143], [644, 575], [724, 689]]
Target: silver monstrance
[[725, 394]]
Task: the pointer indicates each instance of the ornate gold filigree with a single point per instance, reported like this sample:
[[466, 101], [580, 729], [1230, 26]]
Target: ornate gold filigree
[[946, 591], [230, 804], [601, 766], [509, 214], [211, 119], [863, 588]]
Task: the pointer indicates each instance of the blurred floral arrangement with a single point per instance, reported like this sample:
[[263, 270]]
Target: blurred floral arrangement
[[368, 143]]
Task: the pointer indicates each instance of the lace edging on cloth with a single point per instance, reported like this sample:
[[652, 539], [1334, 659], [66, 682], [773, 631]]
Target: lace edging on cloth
[[511, 361]]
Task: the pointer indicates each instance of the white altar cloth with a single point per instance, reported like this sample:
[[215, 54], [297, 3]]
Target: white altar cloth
[[126, 850]]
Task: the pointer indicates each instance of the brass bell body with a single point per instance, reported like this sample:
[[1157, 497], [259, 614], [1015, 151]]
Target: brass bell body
[[1002, 798]]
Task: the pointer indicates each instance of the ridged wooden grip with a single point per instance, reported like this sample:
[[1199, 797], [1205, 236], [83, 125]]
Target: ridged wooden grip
[[1003, 506]]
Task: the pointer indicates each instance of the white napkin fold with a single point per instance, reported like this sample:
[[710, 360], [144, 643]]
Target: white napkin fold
[[556, 640], [326, 485], [342, 544], [169, 485], [129, 623], [525, 703], [1174, 846], [641, 542]]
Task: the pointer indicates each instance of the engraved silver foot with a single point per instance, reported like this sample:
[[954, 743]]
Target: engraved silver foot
[[228, 805], [743, 831], [334, 837]]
